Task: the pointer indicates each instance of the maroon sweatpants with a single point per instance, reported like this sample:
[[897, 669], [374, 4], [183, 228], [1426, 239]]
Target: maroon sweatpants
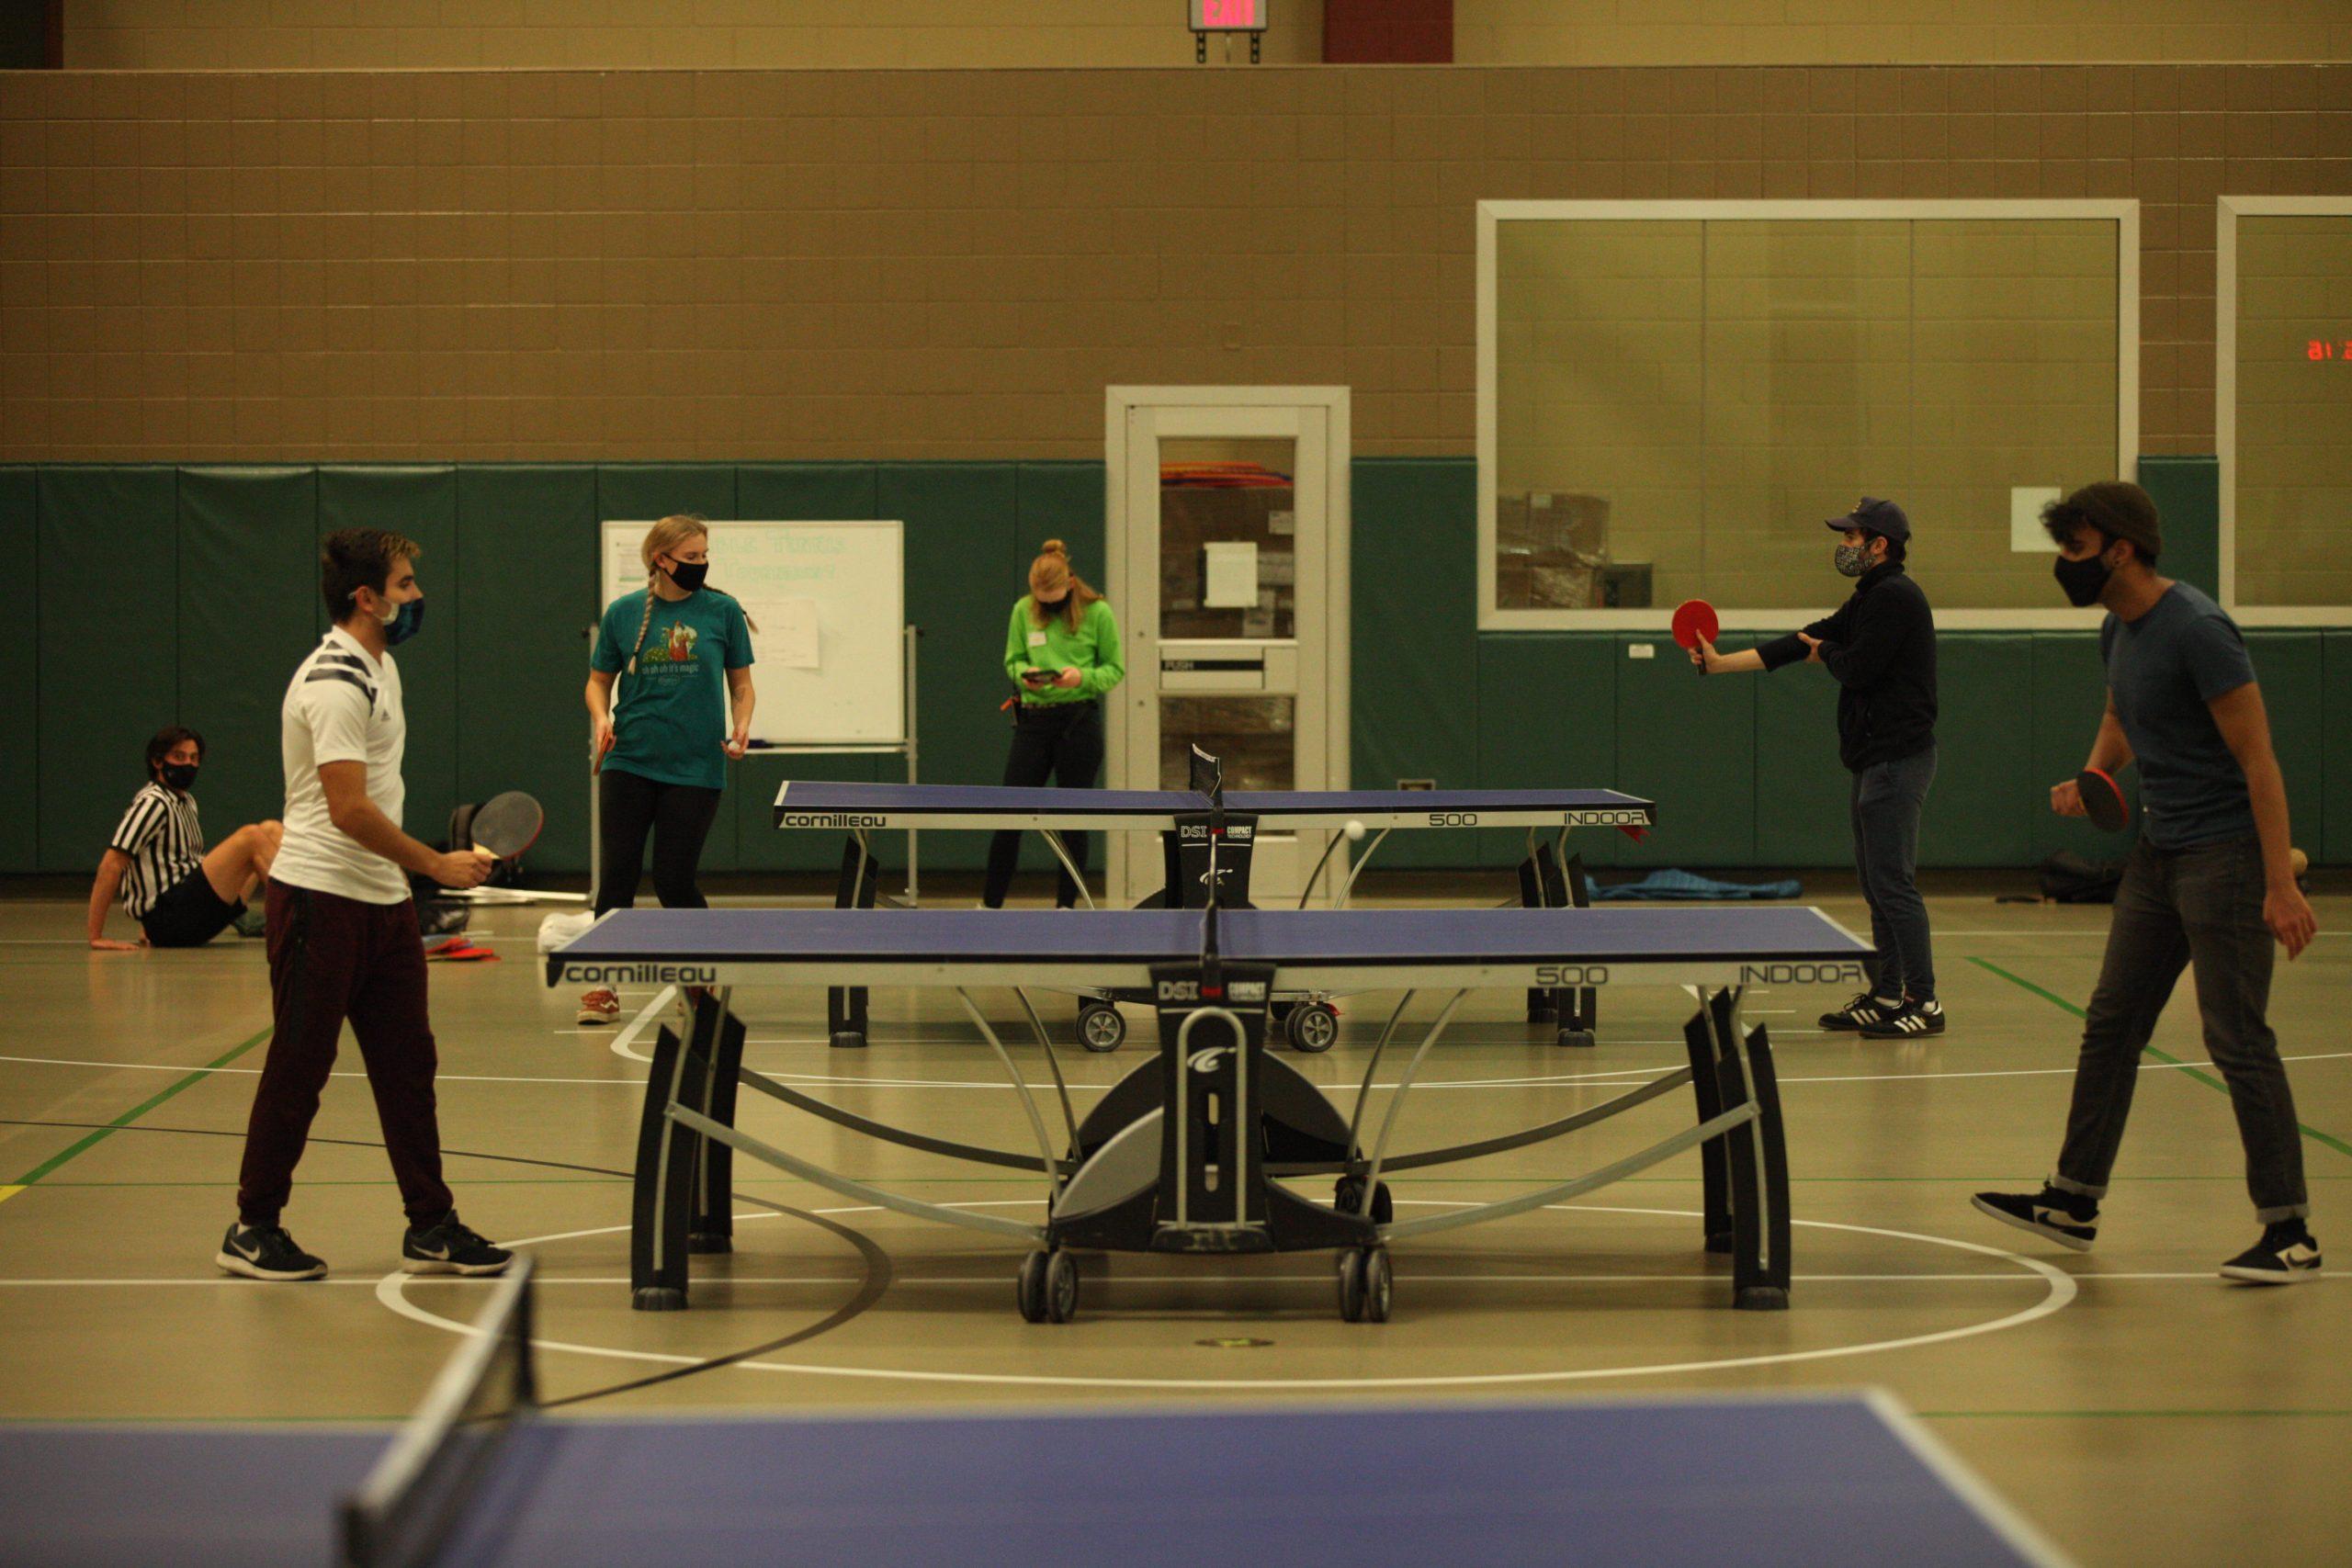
[[331, 959]]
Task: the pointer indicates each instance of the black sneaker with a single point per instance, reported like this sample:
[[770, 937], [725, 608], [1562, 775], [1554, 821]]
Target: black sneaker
[[2285, 1256], [450, 1247], [267, 1252], [2067, 1218], [1913, 1019], [1861, 1012]]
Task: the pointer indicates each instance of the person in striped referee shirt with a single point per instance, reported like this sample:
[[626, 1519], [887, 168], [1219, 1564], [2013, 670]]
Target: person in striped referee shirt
[[181, 895]]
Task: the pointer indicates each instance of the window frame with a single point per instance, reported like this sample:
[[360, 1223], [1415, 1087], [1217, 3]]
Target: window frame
[[2228, 209], [2123, 212]]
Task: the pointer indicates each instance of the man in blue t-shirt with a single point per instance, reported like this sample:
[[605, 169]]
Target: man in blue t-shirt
[[2211, 881]]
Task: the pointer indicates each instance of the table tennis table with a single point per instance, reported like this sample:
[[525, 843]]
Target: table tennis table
[[1825, 1482], [1187, 1153], [1548, 876]]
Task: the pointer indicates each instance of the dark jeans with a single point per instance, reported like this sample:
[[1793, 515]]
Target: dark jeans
[[1062, 743], [677, 817], [1887, 799], [2175, 907], [331, 959]]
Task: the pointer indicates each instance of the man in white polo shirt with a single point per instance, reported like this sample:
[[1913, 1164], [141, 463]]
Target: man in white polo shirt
[[343, 933]]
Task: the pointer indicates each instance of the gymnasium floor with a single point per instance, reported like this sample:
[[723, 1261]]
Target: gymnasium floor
[[2132, 1405]]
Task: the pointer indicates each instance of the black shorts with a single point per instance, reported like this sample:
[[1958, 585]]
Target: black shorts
[[188, 914]]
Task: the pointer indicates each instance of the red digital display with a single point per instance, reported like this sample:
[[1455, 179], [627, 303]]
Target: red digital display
[[2328, 348], [1230, 15]]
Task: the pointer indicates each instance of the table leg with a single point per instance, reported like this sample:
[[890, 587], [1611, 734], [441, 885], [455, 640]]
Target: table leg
[[720, 1036], [845, 1004], [661, 1200]]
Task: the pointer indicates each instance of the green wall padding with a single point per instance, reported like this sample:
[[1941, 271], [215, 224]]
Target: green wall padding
[[2069, 694], [1687, 741], [959, 519], [20, 683], [2335, 765], [419, 502], [811, 492], [526, 537], [2290, 667], [2188, 493], [1550, 702], [1744, 768], [249, 612], [108, 587], [1415, 706], [1803, 793], [1986, 793]]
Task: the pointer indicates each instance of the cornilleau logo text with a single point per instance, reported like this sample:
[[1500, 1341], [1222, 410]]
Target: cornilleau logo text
[[833, 819], [1800, 975], [642, 974]]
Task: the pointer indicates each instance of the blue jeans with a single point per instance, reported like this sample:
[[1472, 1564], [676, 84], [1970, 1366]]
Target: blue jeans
[[1888, 798]]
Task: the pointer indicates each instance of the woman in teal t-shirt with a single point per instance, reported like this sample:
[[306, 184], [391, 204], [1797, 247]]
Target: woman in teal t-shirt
[[1062, 652], [680, 653]]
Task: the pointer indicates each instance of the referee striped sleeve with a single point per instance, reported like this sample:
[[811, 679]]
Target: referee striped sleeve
[[138, 823]]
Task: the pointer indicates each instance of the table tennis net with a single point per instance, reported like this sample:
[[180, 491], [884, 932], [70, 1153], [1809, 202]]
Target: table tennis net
[[410, 1502]]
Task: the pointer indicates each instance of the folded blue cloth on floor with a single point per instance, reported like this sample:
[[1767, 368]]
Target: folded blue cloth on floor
[[1689, 886]]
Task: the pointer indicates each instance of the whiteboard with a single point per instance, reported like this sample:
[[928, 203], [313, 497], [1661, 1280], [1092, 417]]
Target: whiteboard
[[848, 579]]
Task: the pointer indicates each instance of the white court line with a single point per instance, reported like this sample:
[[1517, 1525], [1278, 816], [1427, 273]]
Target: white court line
[[1108, 1280], [2062, 1290], [1617, 1075]]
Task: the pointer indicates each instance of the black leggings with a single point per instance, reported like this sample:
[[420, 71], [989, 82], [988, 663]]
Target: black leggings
[[1062, 743], [678, 816]]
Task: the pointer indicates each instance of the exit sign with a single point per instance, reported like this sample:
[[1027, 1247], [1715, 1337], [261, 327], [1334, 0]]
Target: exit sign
[[1230, 15]]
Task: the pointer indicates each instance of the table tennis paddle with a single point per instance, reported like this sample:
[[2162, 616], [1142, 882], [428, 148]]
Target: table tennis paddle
[[1695, 622], [2103, 800], [508, 825]]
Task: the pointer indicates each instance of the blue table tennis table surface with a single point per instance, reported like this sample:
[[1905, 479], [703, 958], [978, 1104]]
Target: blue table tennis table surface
[[1821, 1481]]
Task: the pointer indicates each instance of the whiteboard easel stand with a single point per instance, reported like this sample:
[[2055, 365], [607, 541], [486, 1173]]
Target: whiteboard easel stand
[[906, 744]]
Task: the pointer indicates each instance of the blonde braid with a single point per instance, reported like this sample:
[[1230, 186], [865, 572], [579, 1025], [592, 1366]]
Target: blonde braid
[[642, 627]]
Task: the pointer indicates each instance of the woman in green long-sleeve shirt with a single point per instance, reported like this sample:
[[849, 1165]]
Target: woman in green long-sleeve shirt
[[1062, 653]]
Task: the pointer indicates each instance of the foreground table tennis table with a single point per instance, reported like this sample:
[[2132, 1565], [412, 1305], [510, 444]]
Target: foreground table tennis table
[[1821, 1483], [1187, 1153], [1186, 821]]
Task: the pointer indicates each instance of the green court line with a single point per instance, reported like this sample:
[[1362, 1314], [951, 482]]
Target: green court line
[[2207, 1079], [136, 1112]]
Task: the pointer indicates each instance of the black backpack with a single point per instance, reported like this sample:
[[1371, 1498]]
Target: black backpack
[[2068, 878]]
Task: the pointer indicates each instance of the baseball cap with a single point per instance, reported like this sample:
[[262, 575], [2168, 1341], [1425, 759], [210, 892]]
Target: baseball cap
[[1877, 516]]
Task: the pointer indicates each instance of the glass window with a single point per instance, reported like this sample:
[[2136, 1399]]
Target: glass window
[[1680, 403], [2292, 474]]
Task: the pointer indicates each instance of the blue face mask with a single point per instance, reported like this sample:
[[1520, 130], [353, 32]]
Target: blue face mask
[[402, 623]]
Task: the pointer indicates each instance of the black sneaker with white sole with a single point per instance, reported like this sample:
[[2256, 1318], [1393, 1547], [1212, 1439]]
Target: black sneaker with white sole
[[267, 1252], [1913, 1019], [2067, 1218], [2285, 1256], [450, 1247], [1861, 1012]]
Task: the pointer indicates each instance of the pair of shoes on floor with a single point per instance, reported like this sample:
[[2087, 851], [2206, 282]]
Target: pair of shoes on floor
[[1886, 1017], [2287, 1254], [447, 1246]]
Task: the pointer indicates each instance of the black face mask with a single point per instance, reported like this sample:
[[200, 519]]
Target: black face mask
[[689, 575], [2084, 581], [180, 775]]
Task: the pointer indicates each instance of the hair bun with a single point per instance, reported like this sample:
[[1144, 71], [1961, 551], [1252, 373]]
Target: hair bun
[[1055, 547]]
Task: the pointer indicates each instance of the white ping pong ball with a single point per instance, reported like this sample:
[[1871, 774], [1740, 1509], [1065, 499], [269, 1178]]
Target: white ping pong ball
[[1355, 830]]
